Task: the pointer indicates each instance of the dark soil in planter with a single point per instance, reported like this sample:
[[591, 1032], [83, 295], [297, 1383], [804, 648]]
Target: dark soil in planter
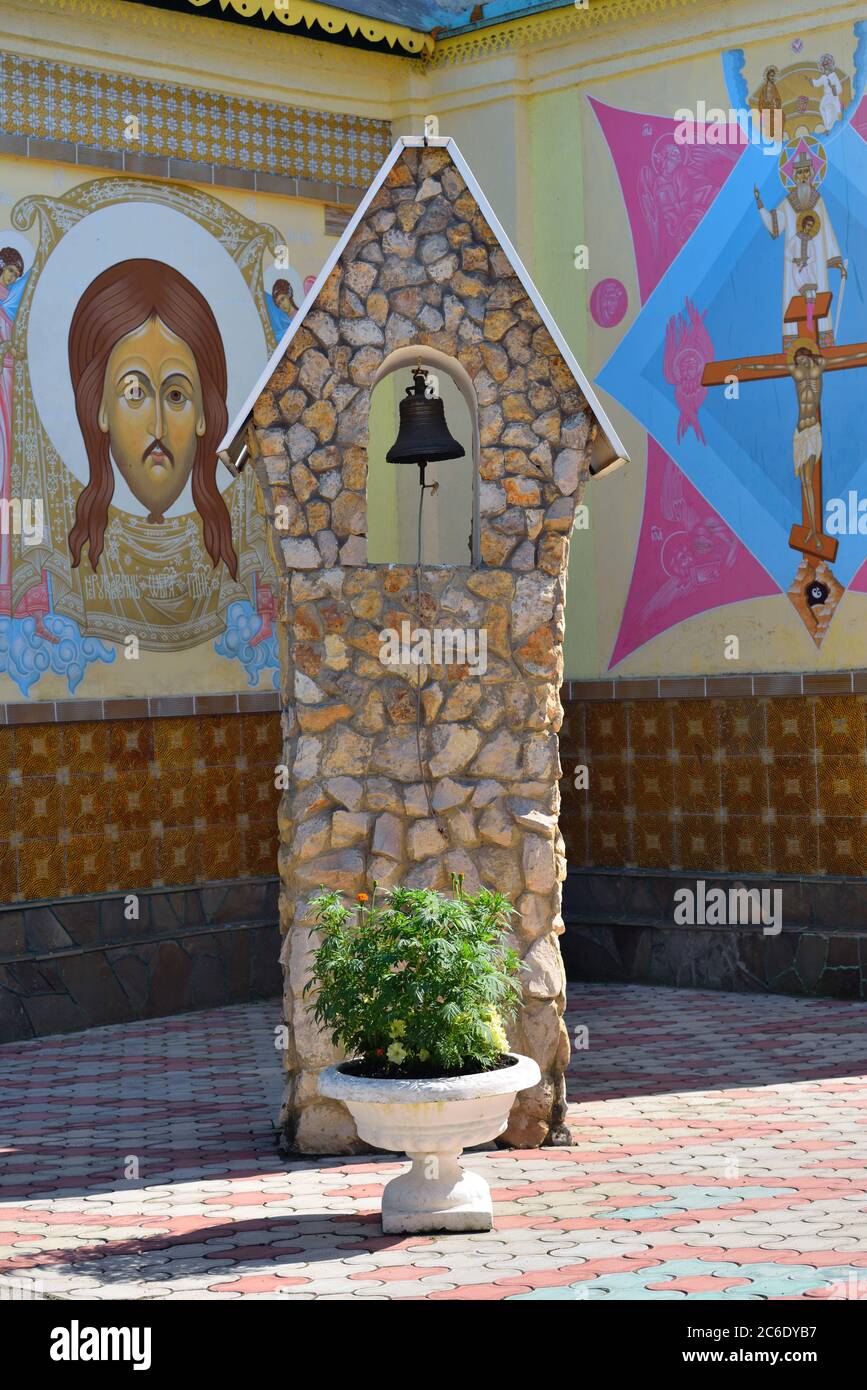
[[375, 1070]]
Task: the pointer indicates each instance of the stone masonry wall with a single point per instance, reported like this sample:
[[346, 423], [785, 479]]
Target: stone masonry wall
[[423, 267]]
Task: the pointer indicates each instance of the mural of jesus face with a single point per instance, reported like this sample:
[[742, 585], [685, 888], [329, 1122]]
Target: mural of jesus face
[[152, 412], [148, 374]]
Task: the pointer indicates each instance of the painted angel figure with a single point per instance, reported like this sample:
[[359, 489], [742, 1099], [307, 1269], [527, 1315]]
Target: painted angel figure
[[676, 188], [830, 108], [688, 349]]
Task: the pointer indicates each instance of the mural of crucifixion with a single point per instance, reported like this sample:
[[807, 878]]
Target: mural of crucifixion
[[806, 363]]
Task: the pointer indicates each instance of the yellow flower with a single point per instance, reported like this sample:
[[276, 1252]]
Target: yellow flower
[[496, 1030], [397, 1028], [423, 1055], [396, 1054]]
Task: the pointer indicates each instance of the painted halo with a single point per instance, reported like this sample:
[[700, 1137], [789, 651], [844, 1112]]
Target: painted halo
[[790, 152]]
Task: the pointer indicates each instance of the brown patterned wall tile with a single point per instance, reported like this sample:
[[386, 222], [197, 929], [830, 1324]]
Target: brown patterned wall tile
[[606, 729], [7, 753], [653, 837], [699, 843], [38, 749], [609, 841], [220, 740], [41, 867], [258, 797], [224, 795], [839, 722], [85, 747], [135, 800], [572, 730], [131, 743], [697, 786], [180, 797], [743, 726], [86, 805], [139, 855], [110, 806], [261, 740], [8, 797], [87, 868], [176, 742], [650, 729], [8, 872], [795, 845], [842, 786], [261, 840], [745, 785], [695, 727], [791, 726], [180, 856], [609, 786], [842, 846], [746, 845], [220, 853], [653, 785], [573, 822], [793, 785], [38, 809]]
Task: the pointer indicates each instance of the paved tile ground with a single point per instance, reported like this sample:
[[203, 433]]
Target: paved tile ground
[[720, 1152]]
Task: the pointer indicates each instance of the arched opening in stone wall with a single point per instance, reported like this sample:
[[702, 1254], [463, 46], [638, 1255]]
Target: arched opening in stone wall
[[450, 515]]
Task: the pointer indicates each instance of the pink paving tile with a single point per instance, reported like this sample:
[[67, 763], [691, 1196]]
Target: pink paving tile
[[260, 1283], [668, 1084]]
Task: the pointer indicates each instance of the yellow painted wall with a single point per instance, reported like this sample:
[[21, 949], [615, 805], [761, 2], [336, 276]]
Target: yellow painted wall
[[522, 120]]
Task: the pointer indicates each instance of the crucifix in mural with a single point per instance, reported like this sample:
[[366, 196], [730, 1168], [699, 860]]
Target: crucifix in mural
[[774, 250], [811, 251]]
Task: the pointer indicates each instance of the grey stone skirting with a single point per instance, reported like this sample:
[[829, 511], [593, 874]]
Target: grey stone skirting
[[620, 927], [79, 962]]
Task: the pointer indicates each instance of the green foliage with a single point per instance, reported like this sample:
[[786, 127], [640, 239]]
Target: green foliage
[[420, 981]]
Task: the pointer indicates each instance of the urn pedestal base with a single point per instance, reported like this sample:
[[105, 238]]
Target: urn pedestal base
[[436, 1194]]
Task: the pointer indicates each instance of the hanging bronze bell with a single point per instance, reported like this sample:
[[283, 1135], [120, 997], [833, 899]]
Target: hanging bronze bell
[[423, 436]]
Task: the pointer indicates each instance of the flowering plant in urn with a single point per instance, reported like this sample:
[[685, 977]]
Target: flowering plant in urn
[[418, 984], [415, 989]]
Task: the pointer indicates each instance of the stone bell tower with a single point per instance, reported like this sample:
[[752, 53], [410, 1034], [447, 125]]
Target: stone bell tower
[[424, 269]]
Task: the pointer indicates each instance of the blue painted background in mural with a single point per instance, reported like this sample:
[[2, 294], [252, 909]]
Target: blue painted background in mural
[[732, 271]]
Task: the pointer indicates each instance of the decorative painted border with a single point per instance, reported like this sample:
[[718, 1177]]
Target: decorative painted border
[[469, 46], [88, 107], [718, 687], [330, 18], [145, 707], [339, 200]]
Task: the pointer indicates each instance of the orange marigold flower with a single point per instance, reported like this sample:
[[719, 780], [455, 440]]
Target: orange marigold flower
[[361, 897]]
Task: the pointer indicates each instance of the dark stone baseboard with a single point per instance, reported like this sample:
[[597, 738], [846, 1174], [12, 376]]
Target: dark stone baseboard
[[620, 927], [78, 962]]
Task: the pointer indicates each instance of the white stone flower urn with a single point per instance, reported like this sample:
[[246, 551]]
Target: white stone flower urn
[[432, 1122]]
